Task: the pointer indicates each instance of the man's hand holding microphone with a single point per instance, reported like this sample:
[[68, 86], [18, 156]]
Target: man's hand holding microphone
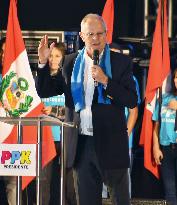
[[43, 50], [97, 73]]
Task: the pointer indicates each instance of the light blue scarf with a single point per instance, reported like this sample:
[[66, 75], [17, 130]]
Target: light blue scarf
[[77, 79]]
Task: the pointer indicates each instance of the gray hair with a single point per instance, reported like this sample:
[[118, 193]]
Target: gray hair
[[94, 16]]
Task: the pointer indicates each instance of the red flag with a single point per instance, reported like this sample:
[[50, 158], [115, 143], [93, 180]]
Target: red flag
[[108, 16], [159, 70], [18, 93]]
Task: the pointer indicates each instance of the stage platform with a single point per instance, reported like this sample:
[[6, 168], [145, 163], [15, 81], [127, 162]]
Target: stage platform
[[140, 202]]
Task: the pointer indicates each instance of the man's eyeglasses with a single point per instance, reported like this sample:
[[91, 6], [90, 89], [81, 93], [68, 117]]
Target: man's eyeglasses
[[93, 35]]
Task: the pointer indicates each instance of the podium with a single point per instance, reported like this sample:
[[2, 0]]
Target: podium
[[42, 120]]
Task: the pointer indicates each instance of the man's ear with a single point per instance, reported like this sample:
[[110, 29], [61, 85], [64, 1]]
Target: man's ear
[[81, 36]]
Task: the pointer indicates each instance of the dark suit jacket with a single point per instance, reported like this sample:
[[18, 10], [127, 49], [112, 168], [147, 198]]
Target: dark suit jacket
[[109, 122]]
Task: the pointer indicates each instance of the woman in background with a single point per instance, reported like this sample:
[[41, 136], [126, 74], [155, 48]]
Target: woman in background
[[165, 141]]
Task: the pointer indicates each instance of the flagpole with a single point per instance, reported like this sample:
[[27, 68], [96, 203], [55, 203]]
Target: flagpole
[[19, 178], [162, 43], [63, 167], [39, 164], [170, 17]]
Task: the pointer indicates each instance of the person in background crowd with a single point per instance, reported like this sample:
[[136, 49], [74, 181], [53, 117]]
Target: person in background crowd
[[165, 141], [10, 181], [98, 147], [53, 65], [53, 68]]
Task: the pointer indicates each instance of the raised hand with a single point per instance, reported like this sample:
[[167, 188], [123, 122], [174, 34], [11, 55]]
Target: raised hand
[[43, 50]]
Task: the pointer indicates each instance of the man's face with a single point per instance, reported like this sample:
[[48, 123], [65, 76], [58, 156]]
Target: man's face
[[93, 35]]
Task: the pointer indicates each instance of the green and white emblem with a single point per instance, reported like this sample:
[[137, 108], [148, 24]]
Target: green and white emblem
[[13, 95]]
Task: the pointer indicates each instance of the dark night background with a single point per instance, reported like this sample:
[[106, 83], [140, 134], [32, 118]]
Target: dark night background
[[67, 14]]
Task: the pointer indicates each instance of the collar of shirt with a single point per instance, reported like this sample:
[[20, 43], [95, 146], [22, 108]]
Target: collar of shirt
[[88, 80]]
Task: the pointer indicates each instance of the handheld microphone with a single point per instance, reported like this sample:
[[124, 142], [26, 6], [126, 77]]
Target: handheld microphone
[[95, 57], [95, 62]]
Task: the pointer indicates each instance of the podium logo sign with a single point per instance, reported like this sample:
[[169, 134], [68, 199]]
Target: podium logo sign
[[18, 159]]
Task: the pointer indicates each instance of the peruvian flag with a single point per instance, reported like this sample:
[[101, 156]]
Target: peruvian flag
[[108, 16], [18, 94], [159, 70]]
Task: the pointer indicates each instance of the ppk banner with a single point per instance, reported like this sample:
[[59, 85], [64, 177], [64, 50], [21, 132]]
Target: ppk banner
[[18, 159]]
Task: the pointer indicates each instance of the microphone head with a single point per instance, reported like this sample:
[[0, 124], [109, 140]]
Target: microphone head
[[96, 53], [95, 57]]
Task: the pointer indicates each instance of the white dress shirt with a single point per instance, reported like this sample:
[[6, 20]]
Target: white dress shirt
[[86, 126]]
